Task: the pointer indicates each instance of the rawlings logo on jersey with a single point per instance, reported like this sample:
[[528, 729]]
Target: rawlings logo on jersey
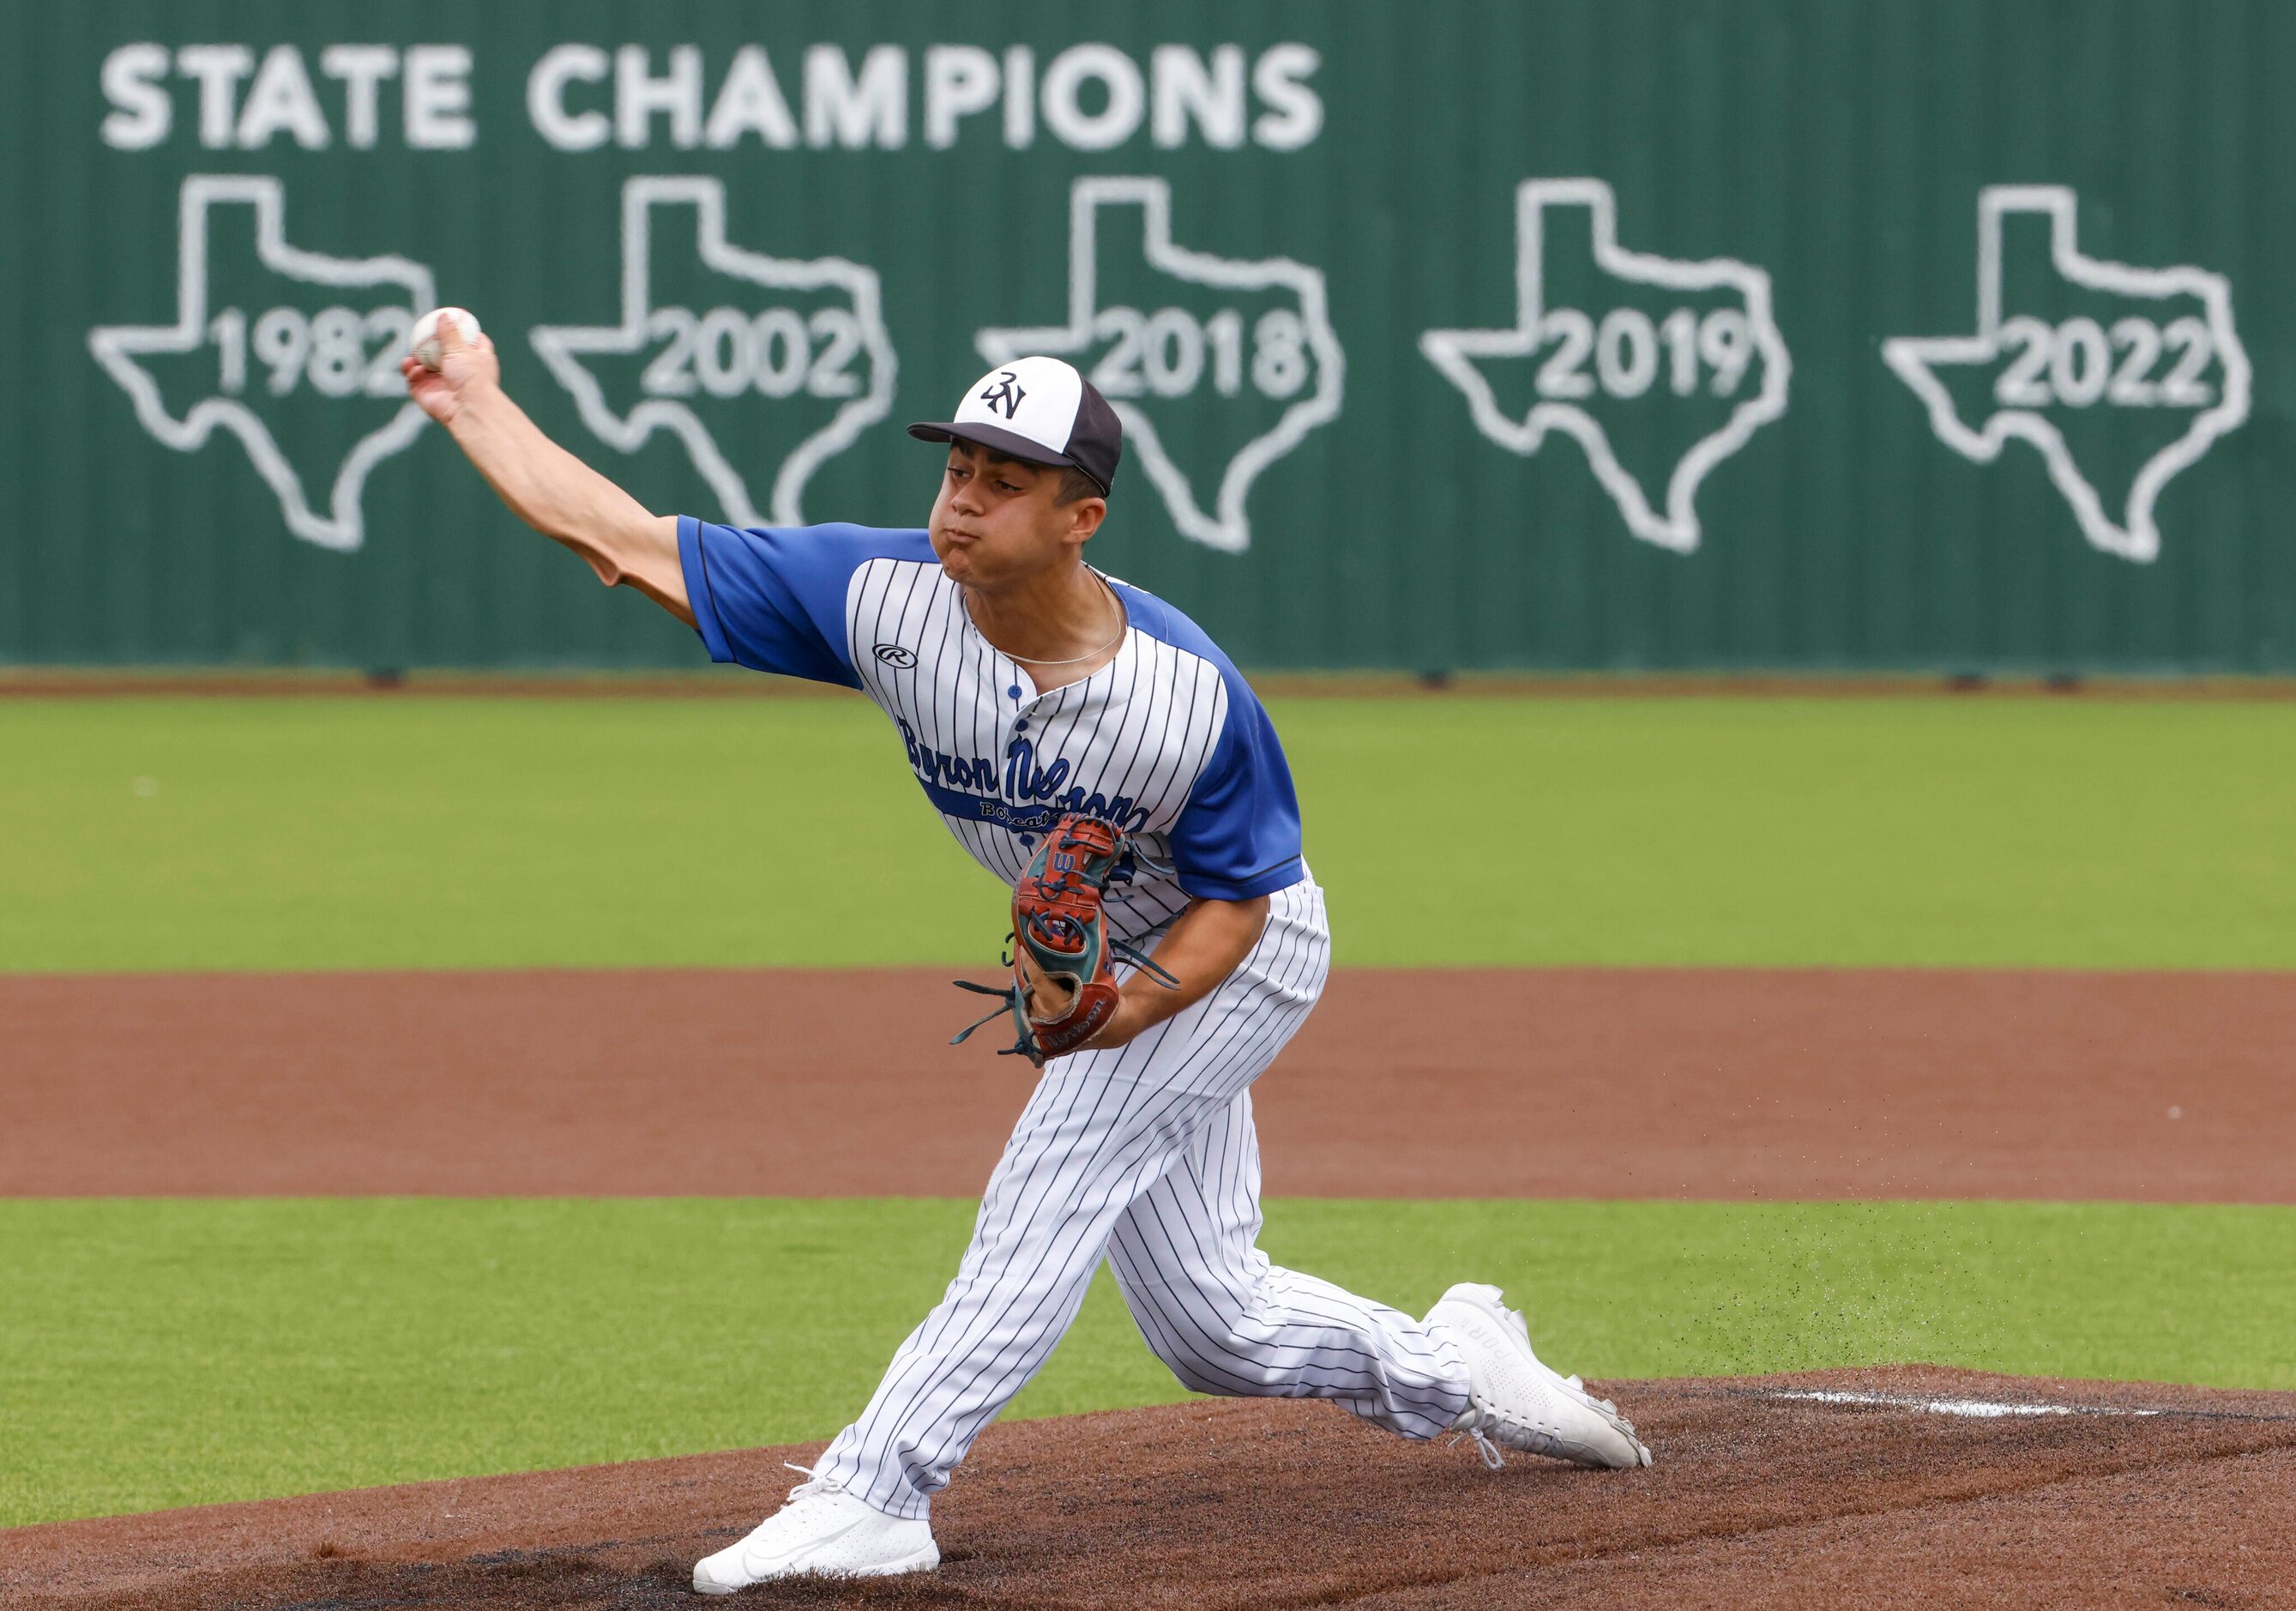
[[896, 655]]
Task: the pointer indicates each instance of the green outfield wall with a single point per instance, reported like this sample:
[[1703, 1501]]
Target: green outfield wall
[[1607, 333]]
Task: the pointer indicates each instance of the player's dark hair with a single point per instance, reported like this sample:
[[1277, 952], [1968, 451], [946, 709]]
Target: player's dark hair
[[1076, 486]]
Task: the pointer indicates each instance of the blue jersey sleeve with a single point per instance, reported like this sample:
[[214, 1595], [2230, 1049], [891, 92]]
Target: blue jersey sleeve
[[1238, 836], [773, 600]]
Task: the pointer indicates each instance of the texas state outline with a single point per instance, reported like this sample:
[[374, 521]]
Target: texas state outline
[[1453, 352], [116, 346], [563, 347], [2137, 536], [1227, 526]]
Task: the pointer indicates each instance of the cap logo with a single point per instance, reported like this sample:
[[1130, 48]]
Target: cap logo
[[1006, 394]]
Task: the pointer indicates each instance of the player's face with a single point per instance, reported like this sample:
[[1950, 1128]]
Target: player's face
[[995, 523]]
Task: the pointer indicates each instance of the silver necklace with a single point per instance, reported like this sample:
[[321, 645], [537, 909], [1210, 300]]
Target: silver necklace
[[1123, 624]]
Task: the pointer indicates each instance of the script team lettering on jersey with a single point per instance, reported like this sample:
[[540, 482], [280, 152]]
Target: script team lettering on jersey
[[1167, 742]]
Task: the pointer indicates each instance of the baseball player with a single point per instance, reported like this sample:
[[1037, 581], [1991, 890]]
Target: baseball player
[[1035, 696]]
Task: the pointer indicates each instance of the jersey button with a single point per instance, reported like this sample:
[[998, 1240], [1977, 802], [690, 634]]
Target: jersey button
[[1020, 726], [1014, 691], [1027, 840]]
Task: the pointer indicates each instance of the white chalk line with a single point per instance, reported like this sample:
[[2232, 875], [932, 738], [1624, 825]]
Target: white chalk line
[[1973, 1409], [1991, 1409]]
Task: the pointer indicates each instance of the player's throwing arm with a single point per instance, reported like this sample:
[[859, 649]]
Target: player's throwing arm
[[457, 379]]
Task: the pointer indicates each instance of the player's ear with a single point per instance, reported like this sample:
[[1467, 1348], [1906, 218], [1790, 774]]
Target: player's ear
[[1085, 516]]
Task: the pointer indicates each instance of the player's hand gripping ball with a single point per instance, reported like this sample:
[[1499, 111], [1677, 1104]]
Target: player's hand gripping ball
[[449, 364], [424, 339], [1063, 991]]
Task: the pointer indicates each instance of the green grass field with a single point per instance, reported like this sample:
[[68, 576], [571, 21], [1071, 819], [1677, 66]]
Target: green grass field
[[472, 832], [162, 1353]]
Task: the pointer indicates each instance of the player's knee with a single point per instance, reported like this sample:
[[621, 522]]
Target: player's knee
[[1225, 1385], [1195, 1362], [1229, 1367]]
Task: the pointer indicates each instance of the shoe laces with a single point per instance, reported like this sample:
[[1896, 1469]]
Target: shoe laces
[[813, 1484], [1487, 1450]]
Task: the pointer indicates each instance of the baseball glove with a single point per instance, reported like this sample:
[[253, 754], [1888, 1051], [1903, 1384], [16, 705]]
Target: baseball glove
[[1062, 989]]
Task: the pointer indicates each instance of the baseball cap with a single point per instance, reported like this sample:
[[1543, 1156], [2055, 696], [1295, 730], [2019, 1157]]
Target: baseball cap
[[1040, 410]]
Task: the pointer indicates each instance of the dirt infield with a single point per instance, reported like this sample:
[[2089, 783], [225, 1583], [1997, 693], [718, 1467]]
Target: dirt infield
[[1758, 1499], [1707, 1083]]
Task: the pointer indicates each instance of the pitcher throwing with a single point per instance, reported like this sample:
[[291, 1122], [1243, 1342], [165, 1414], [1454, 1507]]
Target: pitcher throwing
[[1026, 688]]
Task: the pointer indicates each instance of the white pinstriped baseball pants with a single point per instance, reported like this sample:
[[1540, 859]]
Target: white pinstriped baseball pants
[[1145, 1153]]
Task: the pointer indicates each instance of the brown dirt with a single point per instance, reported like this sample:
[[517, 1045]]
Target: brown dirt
[[1754, 1501], [1602, 1083]]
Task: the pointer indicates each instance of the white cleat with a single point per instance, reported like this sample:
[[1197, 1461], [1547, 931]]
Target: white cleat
[[825, 1531], [1518, 1403]]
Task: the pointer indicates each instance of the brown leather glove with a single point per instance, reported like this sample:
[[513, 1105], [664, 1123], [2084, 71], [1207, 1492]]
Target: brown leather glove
[[1064, 989]]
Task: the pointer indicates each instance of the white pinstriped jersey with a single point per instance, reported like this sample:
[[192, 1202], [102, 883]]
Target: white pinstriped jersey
[[1167, 742], [1142, 1152]]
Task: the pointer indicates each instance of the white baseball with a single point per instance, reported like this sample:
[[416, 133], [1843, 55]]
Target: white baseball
[[424, 337]]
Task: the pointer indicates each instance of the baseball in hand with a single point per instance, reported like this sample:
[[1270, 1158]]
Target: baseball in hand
[[424, 338]]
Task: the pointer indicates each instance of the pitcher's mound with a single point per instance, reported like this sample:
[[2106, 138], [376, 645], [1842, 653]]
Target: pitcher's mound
[[1915, 1486]]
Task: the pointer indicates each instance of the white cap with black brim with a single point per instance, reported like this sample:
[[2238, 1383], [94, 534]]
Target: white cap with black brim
[[1041, 411]]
